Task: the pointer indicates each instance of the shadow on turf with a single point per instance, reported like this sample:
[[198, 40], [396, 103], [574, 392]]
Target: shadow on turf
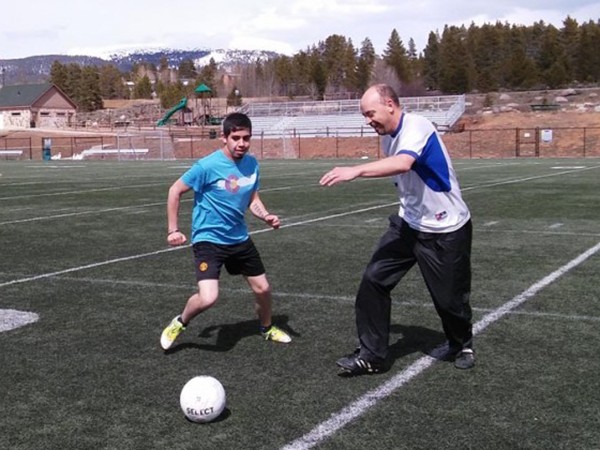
[[414, 339], [229, 334]]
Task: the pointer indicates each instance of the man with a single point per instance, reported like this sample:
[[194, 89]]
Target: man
[[225, 185], [432, 229]]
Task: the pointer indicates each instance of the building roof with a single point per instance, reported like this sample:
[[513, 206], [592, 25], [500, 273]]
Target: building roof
[[22, 95]]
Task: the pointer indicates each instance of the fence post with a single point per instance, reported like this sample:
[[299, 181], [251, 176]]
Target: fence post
[[470, 144]]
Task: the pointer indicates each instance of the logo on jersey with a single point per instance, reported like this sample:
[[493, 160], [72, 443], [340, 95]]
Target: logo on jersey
[[441, 216], [233, 183], [203, 266]]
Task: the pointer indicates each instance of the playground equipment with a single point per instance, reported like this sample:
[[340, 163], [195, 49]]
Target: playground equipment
[[179, 106], [204, 94]]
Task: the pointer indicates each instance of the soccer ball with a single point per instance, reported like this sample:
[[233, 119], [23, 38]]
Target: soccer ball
[[202, 399]]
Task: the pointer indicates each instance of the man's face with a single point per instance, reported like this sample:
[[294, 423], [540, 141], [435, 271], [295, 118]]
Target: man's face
[[237, 143], [378, 113]]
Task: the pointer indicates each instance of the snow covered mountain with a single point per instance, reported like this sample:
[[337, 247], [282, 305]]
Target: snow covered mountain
[[36, 69]]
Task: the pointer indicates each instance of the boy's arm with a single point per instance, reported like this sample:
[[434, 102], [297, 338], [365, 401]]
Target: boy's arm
[[174, 236], [258, 209]]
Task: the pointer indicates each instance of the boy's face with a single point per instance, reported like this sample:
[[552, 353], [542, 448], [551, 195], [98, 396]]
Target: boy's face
[[237, 143]]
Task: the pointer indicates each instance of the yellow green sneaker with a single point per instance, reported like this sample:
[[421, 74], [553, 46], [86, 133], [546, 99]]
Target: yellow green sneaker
[[170, 333], [276, 334]]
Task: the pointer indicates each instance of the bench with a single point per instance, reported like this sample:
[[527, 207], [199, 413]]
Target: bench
[[545, 107], [8, 153], [99, 151]]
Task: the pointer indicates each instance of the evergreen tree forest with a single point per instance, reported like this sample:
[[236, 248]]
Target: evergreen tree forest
[[456, 60]]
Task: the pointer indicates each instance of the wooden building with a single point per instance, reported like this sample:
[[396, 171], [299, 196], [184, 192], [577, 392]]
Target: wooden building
[[35, 106]]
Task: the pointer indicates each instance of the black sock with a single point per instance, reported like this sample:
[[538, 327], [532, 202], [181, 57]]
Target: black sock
[[265, 329], [181, 321]]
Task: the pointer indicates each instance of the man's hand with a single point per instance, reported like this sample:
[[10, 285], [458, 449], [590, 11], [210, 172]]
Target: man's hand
[[337, 175]]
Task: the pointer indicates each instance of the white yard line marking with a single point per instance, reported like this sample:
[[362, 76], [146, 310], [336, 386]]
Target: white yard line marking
[[305, 296], [88, 266], [11, 319], [81, 213], [304, 222], [116, 208], [360, 406], [489, 224], [158, 252], [555, 226], [86, 191], [519, 180]]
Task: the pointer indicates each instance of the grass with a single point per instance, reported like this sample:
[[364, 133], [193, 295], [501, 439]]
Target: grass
[[83, 246]]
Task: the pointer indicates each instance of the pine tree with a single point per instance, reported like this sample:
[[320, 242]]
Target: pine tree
[[187, 69], [89, 92], [430, 62], [111, 83], [364, 65], [58, 75], [395, 56], [454, 61], [143, 88]]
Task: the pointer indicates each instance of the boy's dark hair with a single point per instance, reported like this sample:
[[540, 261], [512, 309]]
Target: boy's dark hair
[[236, 121]]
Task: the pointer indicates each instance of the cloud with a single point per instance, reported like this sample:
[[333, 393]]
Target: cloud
[[284, 26]]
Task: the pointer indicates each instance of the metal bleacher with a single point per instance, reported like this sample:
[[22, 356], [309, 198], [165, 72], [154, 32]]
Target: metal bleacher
[[342, 117]]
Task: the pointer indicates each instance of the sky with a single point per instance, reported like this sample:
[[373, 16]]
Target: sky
[[105, 27]]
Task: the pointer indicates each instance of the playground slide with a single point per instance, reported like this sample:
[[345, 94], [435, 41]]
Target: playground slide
[[172, 111]]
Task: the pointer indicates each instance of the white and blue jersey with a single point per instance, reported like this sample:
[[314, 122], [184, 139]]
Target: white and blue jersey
[[430, 198], [222, 193]]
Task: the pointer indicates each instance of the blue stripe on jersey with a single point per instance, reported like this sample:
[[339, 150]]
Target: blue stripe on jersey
[[432, 166]]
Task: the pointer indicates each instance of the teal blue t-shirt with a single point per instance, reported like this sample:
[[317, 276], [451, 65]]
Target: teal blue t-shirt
[[222, 192]]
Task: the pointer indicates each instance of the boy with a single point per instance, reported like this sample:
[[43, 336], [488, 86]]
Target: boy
[[225, 185]]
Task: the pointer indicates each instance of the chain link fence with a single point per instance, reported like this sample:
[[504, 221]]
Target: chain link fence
[[192, 144]]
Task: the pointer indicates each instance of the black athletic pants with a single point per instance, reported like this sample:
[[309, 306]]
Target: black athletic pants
[[445, 263]]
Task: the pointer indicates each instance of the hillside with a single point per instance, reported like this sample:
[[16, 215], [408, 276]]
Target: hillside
[[36, 69]]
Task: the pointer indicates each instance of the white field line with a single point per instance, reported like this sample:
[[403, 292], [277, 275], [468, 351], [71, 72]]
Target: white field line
[[305, 296], [158, 252], [283, 188], [360, 406], [304, 222], [116, 208], [81, 213], [519, 180], [86, 191]]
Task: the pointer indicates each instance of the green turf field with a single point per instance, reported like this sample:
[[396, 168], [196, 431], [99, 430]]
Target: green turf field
[[83, 251]]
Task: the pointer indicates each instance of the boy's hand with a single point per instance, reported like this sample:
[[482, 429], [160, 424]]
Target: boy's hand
[[176, 238], [272, 220]]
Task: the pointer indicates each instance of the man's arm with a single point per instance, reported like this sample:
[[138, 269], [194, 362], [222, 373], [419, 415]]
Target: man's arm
[[392, 165], [174, 236]]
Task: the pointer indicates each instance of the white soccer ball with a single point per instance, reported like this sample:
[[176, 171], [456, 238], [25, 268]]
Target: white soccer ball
[[202, 399]]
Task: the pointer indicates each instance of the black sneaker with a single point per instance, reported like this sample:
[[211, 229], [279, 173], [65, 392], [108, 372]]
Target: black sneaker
[[353, 365], [465, 359]]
